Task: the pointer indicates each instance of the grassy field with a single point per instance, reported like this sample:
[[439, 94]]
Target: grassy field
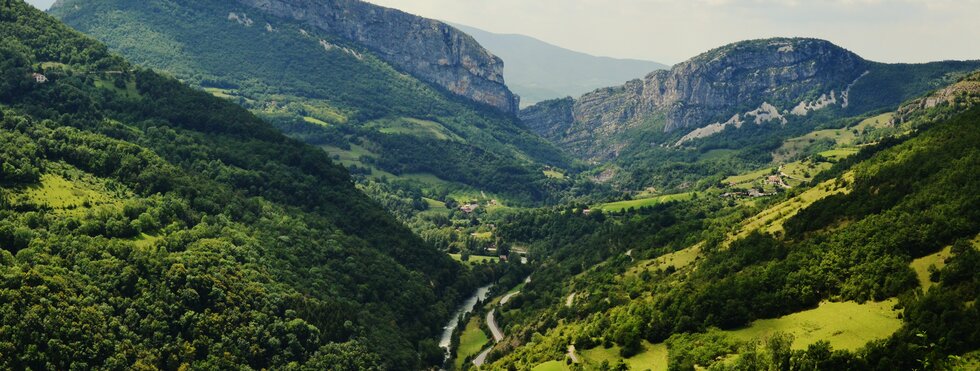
[[554, 174], [70, 196], [843, 139], [653, 357], [415, 127], [623, 205], [803, 171], [678, 259], [146, 241], [471, 341], [315, 121], [323, 112], [838, 154], [749, 178], [354, 154], [109, 84], [846, 325], [921, 265], [220, 93], [551, 366], [475, 259], [771, 220], [482, 235]]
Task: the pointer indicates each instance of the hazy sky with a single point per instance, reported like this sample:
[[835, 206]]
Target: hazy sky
[[43, 4], [672, 31]]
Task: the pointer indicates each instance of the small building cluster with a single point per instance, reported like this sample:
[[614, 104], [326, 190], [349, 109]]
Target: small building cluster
[[469, 208], [39, 78], [753, 193], [776, 180]]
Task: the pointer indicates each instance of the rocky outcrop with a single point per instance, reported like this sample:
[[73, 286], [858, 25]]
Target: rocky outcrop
[[429, 50], [954, 98], [773, 74], [550, 119]]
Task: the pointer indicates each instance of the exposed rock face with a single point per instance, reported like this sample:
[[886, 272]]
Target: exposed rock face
[[550, 119], [429, 50], [775, 75], [958, 96]]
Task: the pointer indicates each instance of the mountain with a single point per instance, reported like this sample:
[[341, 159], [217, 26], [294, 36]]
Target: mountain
[[538, 71], [390, 95], [779, 86], [871, 264], [427, 49], [147, 224]]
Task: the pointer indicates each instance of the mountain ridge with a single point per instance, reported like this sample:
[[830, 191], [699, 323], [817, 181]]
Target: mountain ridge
[[429, 49], [776, 77]]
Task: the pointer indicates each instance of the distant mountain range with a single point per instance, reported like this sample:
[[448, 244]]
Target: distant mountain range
[[538, 71]]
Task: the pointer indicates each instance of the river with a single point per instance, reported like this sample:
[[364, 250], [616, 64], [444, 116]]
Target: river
[[468, 305]]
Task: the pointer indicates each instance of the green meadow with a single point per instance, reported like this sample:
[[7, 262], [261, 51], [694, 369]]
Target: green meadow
[[624, 205], [846, 325], [471, 341]]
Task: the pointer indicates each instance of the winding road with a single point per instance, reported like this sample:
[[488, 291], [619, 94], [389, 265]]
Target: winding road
[[498, 334]]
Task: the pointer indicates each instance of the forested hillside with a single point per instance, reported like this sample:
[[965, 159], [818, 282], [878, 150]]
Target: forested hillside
[[145, 224], [326, 90], [871, 265]]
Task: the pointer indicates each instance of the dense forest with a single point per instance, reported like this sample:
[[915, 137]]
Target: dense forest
[[145, 224], [267, 210]]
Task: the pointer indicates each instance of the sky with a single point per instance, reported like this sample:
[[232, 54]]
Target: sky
[[671, 31], [41, 4]]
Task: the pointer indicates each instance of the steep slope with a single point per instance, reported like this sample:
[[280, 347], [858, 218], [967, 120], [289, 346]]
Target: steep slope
[[346, 86], [428, 49], [145, 224], [760, 81], [538, 71], [684, 285]]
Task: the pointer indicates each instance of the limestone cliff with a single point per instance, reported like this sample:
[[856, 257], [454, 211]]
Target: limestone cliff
[[774, 75], [429, 50]]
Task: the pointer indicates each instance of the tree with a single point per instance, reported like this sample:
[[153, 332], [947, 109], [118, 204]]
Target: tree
[[15, 69]]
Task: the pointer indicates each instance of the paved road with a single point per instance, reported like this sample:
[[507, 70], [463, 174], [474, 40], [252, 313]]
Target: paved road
[[506, 298], [482, 357], [571, 353], [495, 330], [498, 335]]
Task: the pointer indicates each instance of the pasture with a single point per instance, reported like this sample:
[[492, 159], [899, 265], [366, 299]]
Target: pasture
[[846, 325], [636, 204]]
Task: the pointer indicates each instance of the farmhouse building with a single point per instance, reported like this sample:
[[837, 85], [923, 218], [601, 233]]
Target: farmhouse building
[[39, 78]]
